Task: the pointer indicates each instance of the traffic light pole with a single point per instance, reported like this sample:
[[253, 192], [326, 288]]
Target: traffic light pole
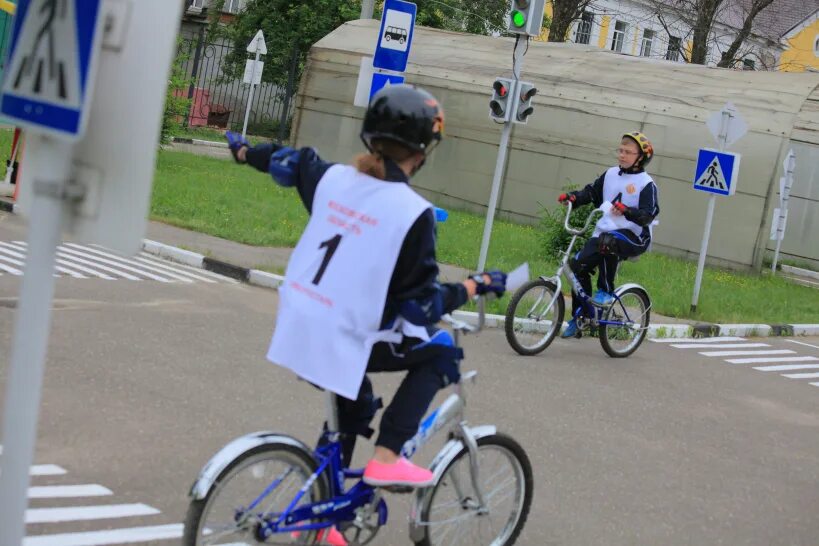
[[500, 165]]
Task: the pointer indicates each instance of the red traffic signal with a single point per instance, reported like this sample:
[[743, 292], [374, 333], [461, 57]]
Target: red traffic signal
[[500, 89]]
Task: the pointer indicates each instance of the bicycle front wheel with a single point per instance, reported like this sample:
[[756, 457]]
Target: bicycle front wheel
[[272, 475], [451, 514], [534, 316], [631, 316]]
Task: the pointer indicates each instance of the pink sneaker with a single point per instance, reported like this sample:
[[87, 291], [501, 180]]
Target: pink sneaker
[[402, 472], [330, 536]]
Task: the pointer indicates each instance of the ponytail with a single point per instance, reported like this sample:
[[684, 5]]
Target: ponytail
[[371, 164]]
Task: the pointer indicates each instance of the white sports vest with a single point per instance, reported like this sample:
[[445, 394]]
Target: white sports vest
[[335, 288], [628, 187]]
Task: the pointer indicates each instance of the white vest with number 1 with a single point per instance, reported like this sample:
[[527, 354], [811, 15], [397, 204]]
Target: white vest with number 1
[[335, 288]]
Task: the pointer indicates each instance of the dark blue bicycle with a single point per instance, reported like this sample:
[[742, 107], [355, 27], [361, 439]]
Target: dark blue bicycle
[[535, 312], [270, 488]]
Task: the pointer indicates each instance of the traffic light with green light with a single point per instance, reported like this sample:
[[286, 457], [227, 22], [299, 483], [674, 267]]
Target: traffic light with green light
[[526, 17]]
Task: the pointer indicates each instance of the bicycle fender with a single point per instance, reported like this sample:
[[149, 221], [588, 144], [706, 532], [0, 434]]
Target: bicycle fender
[[235, 449], [620, 289], [438, 466]]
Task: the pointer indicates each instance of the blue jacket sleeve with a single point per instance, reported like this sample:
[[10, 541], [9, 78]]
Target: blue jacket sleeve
[[648, 207], [592, 193], [301, 169]]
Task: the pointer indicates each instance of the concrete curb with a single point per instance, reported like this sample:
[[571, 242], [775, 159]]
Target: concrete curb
[[800, 272], [243, 274], [664, 331]]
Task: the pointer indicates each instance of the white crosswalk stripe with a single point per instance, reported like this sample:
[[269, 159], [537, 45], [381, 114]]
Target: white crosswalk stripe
[[752, 353], [116, 536], [91, 261]]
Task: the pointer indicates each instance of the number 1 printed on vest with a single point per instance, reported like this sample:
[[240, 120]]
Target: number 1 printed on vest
[[331, 245]]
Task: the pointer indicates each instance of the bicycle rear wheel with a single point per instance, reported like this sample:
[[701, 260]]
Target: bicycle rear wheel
[[223, 516], [450, 513], [531, 324], [632, 311]]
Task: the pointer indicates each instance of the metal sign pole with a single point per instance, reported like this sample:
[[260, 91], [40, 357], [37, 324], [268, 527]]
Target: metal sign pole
[[500, 165], [367, 7], [31, 331], [252, 88], [709, 216], [784, 196]]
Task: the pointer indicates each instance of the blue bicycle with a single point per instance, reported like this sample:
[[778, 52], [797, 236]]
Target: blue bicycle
[[270, 488], [535, 312]]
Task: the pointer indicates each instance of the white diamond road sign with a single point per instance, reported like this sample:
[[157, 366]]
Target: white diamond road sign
[[51, 65], [717, 172]]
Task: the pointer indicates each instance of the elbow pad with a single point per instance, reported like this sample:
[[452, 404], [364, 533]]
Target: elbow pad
[[284, 164]]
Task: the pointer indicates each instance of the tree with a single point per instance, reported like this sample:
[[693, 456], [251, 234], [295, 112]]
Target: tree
[[291, 27], [702, 16], [564, 13]]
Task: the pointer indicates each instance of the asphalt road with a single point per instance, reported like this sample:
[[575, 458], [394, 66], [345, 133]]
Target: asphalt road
[[145, 380]]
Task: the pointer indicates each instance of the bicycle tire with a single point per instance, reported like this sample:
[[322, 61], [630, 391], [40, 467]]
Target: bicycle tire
[[522, 494], [515, 328], [270, 452], [609, 333]]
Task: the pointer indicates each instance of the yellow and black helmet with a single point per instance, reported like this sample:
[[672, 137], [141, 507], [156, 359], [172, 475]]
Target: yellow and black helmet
[[646, 149]]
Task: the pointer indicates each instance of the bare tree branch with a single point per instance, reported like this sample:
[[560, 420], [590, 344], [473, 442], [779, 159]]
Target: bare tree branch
[[729, 57]]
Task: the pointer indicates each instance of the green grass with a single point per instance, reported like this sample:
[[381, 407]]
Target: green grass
[[238, 203]]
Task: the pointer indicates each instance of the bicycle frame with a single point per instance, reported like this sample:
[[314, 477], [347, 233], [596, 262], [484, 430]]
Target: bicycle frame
[[342, 505]]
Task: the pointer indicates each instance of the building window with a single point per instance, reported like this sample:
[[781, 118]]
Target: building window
[[748, 64], [232, 6], [584, 28], [619, 36], [196, 4], [645, 46], [673, 53], [816, 47]]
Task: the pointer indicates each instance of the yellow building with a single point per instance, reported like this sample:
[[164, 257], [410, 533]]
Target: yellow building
[[801, 45]]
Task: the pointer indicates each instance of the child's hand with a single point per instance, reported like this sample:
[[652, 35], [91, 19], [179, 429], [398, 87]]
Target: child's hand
[[563, 198], [618, 209], [238, 146]]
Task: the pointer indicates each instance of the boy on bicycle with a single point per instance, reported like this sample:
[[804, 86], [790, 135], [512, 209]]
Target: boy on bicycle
[[361, 292], [624, 230]]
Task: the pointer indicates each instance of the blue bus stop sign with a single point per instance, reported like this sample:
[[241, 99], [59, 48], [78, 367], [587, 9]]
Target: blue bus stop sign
[[50, 69], [395, 36]]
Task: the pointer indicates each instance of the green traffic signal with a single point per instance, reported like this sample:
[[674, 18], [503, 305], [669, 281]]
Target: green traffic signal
[[518, 18]]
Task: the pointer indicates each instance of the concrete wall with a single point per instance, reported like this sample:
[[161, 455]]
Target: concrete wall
[[587, 98]]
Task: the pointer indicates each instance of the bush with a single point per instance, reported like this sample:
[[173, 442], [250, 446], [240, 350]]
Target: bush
[[177, 102], [555, 239]]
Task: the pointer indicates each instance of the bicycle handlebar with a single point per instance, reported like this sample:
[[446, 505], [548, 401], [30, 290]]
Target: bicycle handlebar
[[585, 227], [465, 327]]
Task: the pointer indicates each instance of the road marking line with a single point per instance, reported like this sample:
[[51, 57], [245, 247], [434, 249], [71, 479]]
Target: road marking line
[[197, 270], [748, 353], [775, 359], [72, 259], [84, 513], [787, 367], [47, 470], [116, 536], [802, 343], [68, 491], [161, 266], [9, 248], [98, 252], [801, 375], [697, 339], [715, 345]]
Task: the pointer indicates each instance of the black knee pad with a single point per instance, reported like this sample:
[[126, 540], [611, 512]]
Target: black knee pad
[[608, 244], [580, 268]]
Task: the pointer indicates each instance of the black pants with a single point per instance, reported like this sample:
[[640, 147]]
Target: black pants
[[589, 258], [429, 365]]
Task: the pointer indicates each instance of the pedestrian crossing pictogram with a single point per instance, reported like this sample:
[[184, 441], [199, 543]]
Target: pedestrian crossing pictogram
[[717, 172]]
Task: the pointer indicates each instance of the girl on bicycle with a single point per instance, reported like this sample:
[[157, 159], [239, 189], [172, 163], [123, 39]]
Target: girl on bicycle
[[361, 291], [622, 232]]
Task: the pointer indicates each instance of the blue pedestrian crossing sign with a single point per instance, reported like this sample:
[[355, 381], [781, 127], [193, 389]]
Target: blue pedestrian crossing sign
[[51, 63], [395, 36], [717, 172], [384, 80]]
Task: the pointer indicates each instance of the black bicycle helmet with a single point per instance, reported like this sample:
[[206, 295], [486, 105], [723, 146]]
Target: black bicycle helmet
[[405, 114]]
